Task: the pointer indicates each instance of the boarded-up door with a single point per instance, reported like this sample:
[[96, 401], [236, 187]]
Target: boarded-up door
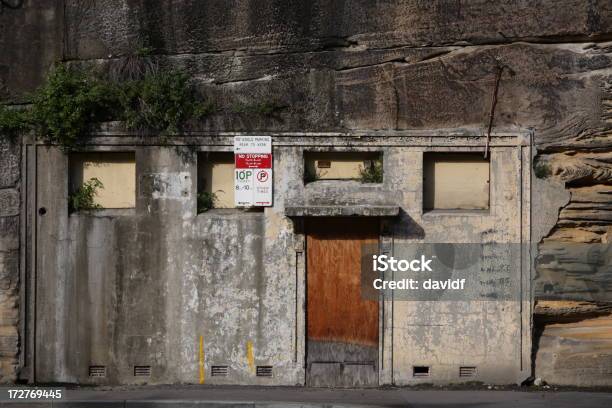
[[342, 332]]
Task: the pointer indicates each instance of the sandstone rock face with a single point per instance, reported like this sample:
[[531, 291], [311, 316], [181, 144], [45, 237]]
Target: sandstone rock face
[[577, 350], [358, 65], [31, 42]]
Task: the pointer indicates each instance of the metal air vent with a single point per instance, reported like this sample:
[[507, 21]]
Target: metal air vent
[[97, 371], [264, 371], [420, 371], [467, 371], [219, 371], [142, 371]]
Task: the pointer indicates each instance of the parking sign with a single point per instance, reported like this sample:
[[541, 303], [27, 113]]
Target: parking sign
[[253, 171]]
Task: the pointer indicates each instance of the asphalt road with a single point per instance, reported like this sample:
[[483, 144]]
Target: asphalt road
[[226, 397]]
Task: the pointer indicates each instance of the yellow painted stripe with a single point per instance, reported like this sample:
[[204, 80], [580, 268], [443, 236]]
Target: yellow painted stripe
[[201, 359], [250, 356]]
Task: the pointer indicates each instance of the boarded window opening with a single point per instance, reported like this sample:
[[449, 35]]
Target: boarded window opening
[[215, 180], [115, 170], [363, 166], [455, 181]]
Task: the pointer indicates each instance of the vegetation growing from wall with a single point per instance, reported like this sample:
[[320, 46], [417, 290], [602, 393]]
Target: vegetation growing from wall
[[64, 108], [72, 101], [206, 201], [134, 66], [12, 122], [541, 168], [372, 173], [83, 198], [161, 101]]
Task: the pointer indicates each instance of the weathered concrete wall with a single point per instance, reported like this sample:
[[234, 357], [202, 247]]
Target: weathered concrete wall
[[362, 66], [142, 286], [145, 286]]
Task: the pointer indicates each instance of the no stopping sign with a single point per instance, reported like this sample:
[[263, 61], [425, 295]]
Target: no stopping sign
[[253, 171]]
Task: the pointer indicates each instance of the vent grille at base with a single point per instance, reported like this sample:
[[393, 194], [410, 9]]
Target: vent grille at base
[[97, 371], [142, 371], [420, 371], [264, 371], [467, 371], [219, 371]]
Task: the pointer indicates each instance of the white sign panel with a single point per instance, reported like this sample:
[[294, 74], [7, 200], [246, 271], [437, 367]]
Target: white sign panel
[[243, 187], [253, 171], [262, 194], [252, 144]]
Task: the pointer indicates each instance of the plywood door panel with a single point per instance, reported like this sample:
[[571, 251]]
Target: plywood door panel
[[336, 310], [342, 325]]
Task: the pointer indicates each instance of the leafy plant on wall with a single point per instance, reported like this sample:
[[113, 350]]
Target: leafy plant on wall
[[83, 199], [72, 101], [13, 122], [372, 173], [206, 201], [64, 108], [161, 101]]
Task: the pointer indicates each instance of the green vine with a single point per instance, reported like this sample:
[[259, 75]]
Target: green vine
[[206, 201], [72, 101], [13, 122], [83, 198], [161, 101], [372, 173], [541, 169], [66, 106]]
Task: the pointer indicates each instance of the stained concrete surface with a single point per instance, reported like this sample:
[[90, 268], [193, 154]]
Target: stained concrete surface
[[147, 287], [205, 396]]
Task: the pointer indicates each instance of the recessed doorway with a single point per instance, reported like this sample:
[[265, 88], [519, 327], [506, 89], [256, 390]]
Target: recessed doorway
[[342, 323]]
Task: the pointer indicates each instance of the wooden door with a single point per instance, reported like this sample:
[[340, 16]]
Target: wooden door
[[342, 324]]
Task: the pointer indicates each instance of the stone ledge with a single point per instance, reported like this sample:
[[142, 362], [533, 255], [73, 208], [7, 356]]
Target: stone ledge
[[342, 211]]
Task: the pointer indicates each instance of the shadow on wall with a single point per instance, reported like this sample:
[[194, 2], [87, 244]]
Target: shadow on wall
[[406, 227]]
